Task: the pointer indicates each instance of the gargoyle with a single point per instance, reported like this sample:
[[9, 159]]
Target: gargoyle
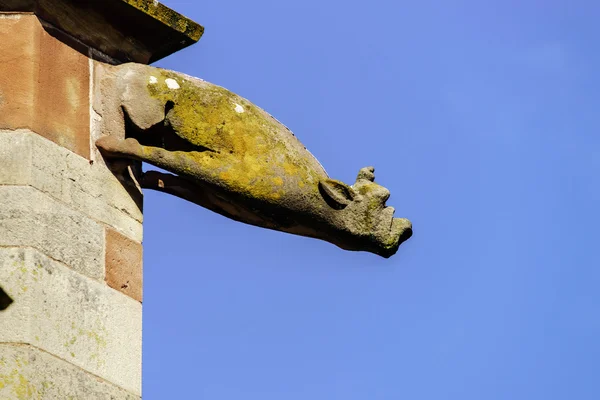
[[231, 157]]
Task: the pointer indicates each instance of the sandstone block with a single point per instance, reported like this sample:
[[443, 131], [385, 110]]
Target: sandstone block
[[30, 218], [29, 373], [29, 159], [72, 317], [44, 84], [123, 264]]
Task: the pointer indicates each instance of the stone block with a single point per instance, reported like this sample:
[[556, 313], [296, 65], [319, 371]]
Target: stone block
[[30, 218], [44, 84], [72, 317], [123, 264], [29, 159], [29, 373]]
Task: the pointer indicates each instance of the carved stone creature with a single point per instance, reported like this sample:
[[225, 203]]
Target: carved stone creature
[[233, 158]]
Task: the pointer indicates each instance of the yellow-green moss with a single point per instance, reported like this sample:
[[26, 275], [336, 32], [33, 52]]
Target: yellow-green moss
[[168, 17], [21, 387], [249, 151]]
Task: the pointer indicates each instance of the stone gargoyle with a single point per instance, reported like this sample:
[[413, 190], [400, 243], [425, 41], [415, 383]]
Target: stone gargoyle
[[233, 158]]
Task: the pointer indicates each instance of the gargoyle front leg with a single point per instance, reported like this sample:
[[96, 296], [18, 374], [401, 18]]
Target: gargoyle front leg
[[196, 164]]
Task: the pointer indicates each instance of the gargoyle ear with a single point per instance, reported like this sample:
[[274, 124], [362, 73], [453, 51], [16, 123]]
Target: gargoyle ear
[[337, 194]]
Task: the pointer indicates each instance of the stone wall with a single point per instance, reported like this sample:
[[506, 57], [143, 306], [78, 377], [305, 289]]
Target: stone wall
[[70, 228]]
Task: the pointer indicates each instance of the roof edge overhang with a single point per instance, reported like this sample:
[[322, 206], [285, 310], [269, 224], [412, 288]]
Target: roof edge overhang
[[142, 31]]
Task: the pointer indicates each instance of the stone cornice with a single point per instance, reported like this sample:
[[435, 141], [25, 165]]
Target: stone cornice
[[140, 31]]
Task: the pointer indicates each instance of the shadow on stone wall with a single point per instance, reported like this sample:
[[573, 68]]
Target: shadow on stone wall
[[5, 300]]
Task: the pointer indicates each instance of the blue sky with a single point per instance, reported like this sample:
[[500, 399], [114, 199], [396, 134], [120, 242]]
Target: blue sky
[[481, 118]]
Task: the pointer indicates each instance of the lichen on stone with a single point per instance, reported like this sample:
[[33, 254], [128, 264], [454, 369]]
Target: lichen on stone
[[169, 17], [245, 146]]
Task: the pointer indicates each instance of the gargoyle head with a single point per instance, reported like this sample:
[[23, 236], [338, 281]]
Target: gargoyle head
[[367, 223]]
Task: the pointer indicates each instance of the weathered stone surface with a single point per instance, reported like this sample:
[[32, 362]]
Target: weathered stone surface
[[92, 189], [127, 30], [44, 84], [235, 159], [29, 373], [29, 217], [124, 264], [72, 317]]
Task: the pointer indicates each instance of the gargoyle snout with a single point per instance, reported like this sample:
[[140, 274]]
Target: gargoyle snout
[[403, 228], [400, 232]]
